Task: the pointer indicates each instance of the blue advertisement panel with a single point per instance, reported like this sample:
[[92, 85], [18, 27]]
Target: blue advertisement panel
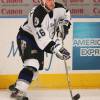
[[86, 46]]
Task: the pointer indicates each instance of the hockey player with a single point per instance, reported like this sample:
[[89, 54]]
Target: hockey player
[[38, 35]]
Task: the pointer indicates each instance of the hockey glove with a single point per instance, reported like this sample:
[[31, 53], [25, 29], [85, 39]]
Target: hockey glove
[[60, 52], [63, 29]]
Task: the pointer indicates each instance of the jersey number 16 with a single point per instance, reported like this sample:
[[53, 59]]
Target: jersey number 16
[[40, 34]]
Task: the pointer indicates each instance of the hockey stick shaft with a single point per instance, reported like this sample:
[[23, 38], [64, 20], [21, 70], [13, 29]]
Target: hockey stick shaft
[[49, 63], [67, 74], [68, 80], [77, 96], [55, 24]]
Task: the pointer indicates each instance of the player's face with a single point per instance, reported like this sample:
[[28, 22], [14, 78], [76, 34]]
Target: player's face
[[50, 4]]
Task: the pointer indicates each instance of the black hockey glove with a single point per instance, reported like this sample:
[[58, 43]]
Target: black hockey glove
[[63, 29]]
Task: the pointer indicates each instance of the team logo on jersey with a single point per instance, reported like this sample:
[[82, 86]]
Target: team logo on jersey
[[36, 21]]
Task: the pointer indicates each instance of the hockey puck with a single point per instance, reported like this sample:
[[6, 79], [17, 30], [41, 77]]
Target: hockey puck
[[76, 97]]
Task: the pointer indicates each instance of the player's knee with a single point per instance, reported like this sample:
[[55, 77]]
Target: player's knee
[[30, 67], [27, 74]]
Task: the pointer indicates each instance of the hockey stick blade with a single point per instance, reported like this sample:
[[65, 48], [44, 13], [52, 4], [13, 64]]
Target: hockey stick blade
[[47, 69], [76, 97]]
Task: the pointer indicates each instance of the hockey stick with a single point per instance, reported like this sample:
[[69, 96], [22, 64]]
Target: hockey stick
[[77, 96], [49, 63], [55, 26]]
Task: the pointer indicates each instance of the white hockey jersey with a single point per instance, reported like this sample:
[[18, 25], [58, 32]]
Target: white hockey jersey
[[41, 24]]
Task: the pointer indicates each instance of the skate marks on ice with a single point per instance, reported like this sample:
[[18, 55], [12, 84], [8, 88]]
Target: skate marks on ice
[[86, 94], [5, 95]]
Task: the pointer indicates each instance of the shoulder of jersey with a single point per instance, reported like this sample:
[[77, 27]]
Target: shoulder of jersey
[[38, 16], [58, 5]]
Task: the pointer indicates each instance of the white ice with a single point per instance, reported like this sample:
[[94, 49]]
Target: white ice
[[40, 94]]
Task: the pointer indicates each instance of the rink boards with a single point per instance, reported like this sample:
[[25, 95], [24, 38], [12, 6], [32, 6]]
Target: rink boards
[[57, 81], [83, 66]]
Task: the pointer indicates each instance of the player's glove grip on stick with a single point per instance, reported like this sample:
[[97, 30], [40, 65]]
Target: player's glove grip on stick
[[60, 52]]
